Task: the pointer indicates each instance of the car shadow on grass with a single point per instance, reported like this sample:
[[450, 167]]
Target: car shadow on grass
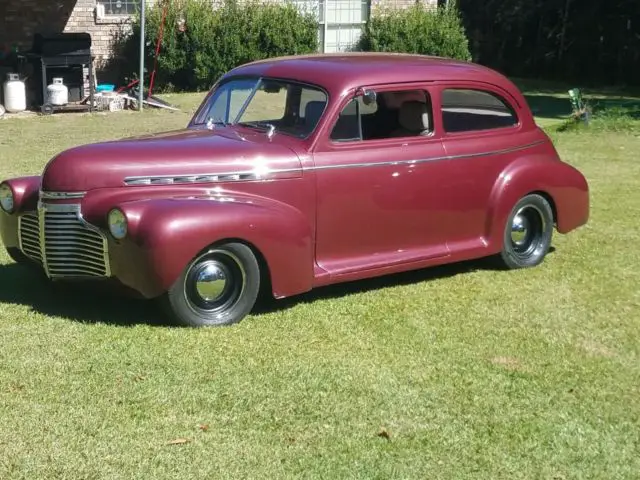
[[378, 283], [81, 302], [89, 303]]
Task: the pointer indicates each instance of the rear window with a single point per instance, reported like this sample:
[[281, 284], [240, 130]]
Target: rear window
[[467, 110]]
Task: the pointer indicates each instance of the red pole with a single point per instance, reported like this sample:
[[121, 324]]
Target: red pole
[[158, 43]]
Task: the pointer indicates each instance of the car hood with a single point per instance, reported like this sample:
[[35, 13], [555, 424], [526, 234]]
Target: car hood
[[166, 155]]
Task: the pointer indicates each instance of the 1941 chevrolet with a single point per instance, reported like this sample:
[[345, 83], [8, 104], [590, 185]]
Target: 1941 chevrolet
[[298, 172]]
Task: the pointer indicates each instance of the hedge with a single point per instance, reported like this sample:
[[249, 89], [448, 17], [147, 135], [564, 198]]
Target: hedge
[[201, 42], [417, 29]]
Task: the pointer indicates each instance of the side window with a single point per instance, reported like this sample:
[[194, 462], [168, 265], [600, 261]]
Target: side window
[[469, 110], [403, 113], [347, 127]]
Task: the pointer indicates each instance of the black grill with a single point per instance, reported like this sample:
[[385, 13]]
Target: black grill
[[62, 44], [63, 55]]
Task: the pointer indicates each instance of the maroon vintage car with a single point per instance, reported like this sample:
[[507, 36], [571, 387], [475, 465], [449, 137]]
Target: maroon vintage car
[[299, 172]]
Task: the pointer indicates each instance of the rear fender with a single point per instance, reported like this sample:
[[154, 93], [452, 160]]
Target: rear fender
[[562, 184], [171, 232]]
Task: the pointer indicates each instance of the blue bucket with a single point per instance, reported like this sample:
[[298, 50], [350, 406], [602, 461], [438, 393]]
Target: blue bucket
[[105, 88]]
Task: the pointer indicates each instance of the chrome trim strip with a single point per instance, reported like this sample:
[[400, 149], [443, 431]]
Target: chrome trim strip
[[199, 178], [427, 160], [61, 195], [264, 175], [43, 245], [20, 236]]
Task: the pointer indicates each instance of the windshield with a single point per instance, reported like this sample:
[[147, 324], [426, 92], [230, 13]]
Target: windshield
[[287, 107]]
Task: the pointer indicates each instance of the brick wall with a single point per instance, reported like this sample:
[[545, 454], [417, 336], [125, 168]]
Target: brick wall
[[103, 31], [21, 19]]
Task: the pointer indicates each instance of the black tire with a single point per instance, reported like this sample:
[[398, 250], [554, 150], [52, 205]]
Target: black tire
[[17, 256], [527, 233], [21, 259], [229, 294]]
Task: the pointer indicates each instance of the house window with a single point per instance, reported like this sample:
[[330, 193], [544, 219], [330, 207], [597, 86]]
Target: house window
[[398, 114], [470, 110], [120, 7]]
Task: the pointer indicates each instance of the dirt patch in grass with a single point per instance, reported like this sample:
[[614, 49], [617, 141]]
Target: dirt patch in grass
[[596, 349], [510, 363]]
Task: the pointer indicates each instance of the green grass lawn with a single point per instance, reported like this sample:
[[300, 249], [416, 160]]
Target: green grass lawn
[[549, 100], [472, 373]]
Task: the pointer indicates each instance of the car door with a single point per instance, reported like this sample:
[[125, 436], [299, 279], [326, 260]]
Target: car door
[[378, 200], [480, 135]]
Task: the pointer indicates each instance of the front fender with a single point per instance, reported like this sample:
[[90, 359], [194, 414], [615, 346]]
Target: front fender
[[562, 183], [169, 233], [26, 191], [25, 198]]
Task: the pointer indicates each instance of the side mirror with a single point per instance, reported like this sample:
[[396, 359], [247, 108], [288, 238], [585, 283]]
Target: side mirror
[[369, 97]]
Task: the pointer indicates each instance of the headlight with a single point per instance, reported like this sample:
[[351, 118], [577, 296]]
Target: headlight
[[117, 224], [6, 198]]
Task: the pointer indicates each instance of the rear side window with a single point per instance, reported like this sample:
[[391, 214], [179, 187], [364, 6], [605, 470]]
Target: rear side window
[[467, 110]]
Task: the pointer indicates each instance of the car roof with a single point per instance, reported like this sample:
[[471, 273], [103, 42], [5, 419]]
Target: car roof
[[344, 71]]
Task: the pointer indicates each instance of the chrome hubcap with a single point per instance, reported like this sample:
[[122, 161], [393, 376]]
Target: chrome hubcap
[[214, 283], [211, 281], [519, 229], [527, 231]]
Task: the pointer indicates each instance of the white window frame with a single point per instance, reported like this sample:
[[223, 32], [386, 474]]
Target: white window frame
[[106, 3]]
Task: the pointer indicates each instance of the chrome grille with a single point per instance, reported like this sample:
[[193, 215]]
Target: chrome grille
[[29, 235], [67, 245]]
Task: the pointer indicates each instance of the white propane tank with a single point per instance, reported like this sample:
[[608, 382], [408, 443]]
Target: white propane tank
[[58, 93], [15, 94]]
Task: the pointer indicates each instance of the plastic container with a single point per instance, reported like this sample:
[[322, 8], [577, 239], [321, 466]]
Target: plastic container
[[15, 94], [57, 93]]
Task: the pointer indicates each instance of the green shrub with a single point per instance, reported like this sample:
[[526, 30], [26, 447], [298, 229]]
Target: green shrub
[[200, 42], [605, 119], [417, 29]]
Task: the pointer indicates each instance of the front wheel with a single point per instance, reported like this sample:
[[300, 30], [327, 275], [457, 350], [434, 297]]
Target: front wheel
[[219, 287], [527, 233]]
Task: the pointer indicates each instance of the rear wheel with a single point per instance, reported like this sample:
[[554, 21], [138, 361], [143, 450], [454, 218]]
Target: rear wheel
[[219, 287], [527, 233]]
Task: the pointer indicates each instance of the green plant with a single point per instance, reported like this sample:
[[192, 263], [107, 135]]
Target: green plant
[[581, 111], [417, 29], [611, 119], [201, 42]]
